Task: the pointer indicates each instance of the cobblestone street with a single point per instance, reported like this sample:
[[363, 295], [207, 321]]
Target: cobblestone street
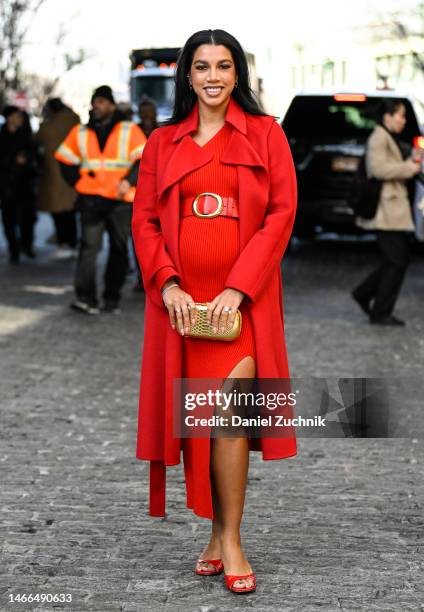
[[338, 527]]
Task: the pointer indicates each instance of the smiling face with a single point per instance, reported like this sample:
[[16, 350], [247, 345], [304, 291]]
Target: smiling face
[[213, 74]]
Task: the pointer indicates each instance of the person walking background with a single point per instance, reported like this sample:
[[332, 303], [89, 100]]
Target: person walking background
[[101, 160], [55, 195], [213, 213], [18, 176], [393, 222], [147, 113]]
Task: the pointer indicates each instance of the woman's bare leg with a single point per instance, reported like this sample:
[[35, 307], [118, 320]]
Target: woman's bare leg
[[213, 549], [229, 468]]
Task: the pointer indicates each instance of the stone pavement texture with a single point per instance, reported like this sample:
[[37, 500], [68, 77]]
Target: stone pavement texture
[[339, 527]]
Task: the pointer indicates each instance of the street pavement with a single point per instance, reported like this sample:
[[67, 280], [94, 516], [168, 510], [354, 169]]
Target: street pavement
[[338, 527]]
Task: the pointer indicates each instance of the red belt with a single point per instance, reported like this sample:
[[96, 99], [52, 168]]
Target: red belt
[[209, 205]]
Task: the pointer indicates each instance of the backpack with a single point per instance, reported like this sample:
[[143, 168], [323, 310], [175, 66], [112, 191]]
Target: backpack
[[365, 193]]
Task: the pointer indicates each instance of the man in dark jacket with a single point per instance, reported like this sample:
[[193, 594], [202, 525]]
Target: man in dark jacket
[[18, 174]]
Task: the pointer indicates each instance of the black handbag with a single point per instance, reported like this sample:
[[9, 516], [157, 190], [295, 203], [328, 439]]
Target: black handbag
[[365, 193]]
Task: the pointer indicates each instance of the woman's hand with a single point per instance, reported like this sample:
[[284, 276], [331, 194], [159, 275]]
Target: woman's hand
[[222, 310], [181, 308], [414, 165]]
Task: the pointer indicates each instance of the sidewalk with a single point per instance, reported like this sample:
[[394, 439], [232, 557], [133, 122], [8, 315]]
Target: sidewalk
[[339, 527]]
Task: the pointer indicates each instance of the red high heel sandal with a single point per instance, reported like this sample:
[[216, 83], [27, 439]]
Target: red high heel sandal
[[219, 566], [230, 580]]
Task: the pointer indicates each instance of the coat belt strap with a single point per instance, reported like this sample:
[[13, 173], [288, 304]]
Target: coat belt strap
[[157, 488], [229, 206]]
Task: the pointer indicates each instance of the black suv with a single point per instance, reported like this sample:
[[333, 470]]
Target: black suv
[[327, 135]]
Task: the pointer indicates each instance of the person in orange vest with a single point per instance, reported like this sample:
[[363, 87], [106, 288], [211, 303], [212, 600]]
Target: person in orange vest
[[101, 161]]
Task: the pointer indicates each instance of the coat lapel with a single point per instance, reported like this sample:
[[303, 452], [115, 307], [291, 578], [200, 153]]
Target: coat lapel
[[252, 181], [391, 143], [187, 156], [239, 151]]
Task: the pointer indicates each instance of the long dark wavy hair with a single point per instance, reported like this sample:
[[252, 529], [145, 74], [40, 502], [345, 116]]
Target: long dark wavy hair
[[185, 98]]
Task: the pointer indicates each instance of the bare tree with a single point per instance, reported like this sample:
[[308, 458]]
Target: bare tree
[[407, 25], [41, 86], [15, 19]]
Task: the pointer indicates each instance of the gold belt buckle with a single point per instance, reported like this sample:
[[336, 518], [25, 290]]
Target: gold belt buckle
[[215, 213]]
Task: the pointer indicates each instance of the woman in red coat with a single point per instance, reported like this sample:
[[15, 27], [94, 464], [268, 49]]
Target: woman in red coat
[[218, 141]]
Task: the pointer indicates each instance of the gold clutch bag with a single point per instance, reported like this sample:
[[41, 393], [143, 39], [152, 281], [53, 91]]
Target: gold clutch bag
[[203, 329]]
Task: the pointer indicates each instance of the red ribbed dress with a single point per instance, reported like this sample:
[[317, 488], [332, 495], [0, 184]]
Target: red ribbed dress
[[208, 248]]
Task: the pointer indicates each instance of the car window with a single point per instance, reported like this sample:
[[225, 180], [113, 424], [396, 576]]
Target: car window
[[353, 118], [322, 119]]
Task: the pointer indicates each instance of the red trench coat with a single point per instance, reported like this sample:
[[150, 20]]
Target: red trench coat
[[267, 206]]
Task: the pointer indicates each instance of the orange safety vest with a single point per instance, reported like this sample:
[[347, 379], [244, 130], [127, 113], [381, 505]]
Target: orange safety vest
[[101, 171]]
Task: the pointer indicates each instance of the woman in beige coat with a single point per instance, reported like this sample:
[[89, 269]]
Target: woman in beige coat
[[55, 195], [392, 223]]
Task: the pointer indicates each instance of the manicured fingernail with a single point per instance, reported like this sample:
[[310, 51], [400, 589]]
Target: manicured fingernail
[[214, 330], [187, 329]]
